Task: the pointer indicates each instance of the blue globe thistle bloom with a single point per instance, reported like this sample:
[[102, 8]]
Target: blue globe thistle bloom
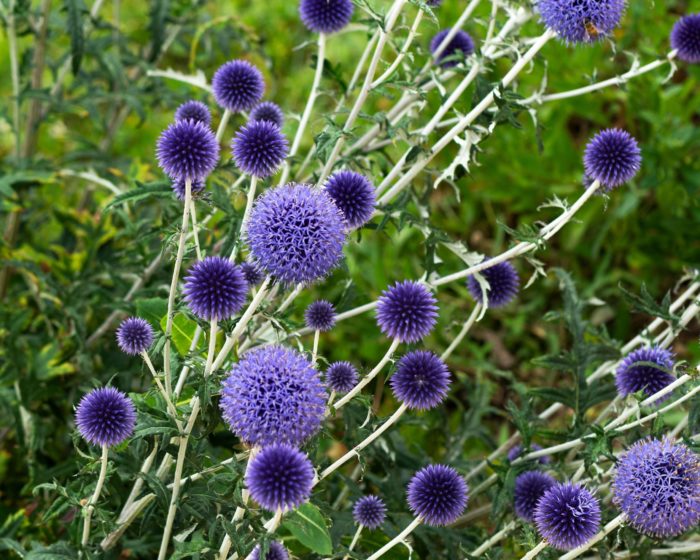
[[134, 336], [215, 288], [504, 284], [369, 511], [529, 488], [421, 380], [195, 110], [238, 86], [406, 311], [105, 416], [341, 377], [251, 273], [685, 38], [581, 21], [461, 44], [434, 3], [273, 395], [296, 233], [612, 157], [178, 186], [325, 16], [567, 516], [354, 195], [280, 476], [517, 450], [275, 552], [320, 315], [438, 494], [657, 486], [187, 150], [259, 148], [268, 111], [633, 376]]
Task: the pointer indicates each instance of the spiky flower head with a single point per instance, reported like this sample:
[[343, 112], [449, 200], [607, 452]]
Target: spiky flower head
[[369, 511], [134, 336], [517, 450], [179, 187], [320, 315], [280, 476], [274, 552], [273, 395], [438, 494], [187, 150], [259, 148], [105, 416], [685, 38], [407, 311], [341, 377], [460, 46], [354, 194], [567, 516], [421, 380], [325, 16], [657, 486], [530, 486], [251, 273], [581, 21], [612, 157], [215, 288], [268, 111], [195, 110], [238, 86], [645, 369], [504, 284], [296, 233]]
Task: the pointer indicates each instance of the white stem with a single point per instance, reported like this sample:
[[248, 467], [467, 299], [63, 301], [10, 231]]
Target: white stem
[[609, 528], [402, 54], [274, 522], [195, 231], [222, 125], [354, 541], [465, 329], [535, 551], [213, 328], [455, 28], [90, 507], [496, 538], [314, 352], [163, 392], [397, 539]]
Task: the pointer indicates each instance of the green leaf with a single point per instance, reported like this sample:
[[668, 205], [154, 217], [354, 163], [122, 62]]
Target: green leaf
[[152, 309], [309, 527], [160, 190], [183, 332], [75, 9]]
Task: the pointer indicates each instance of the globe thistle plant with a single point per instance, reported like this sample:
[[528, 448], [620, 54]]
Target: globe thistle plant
[[268, 111], [341, 377], [178, 186], [421, 380], [187, 150], [517, 450], [407, 311], [369, 511], [354, 195], [105, 417], [251, 273], [503, 281], [325, 16], [259, 148], [194, 110], [645, 369], [530, 486], [581, 21], [438, 495], [238, 86], [215, 289], [320, 316], [685, 38], [461, 45], [275, 552], [612, 157], [134, 335]]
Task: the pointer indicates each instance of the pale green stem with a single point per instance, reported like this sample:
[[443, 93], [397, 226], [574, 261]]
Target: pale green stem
[[462, 333], [314, 353], [90, 507], [163, 392], [222, 125], [397, 539]]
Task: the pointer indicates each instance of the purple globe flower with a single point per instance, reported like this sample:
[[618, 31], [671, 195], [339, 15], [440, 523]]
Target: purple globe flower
[[438, 494], [275, 552], [461, 44], [273, 395], [567, 516], [296, 233], [612, 157], [238, 86], [325, 16], [195, 110], [341, 377], [517, 450], [633, 374], [406, 311], [320, 316], [215, 288], [178, 186], [657, 486], [187, 150], [134, 336], [434, 3], [280, 477], [504, 283], [251, 273], [581, 21], [369, 511], [259, 148], [685, 38], [354, 195], [529, 488], [268, 111], [421, 380], [105, 416]]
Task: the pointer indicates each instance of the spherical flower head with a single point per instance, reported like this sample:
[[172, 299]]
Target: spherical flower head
[[296, 233], [612, 157], [407, 311], [517, 450], [657, 486], [259, 148], [685, 38], [461, 44], [281, 477], [341, 377], [325, 16], [632, 375], [268, 111], [581, 21], [215, 289], [421, 380], [567, 516], [369, 511], [251, 273], [275, 552], [354, 195], [195, 110], [134, 336], [273, 395], [238, 86], [187, 150], [178, 186], [105, 416], [504, 284], [438, 494], [320, 316], [529, 488]]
